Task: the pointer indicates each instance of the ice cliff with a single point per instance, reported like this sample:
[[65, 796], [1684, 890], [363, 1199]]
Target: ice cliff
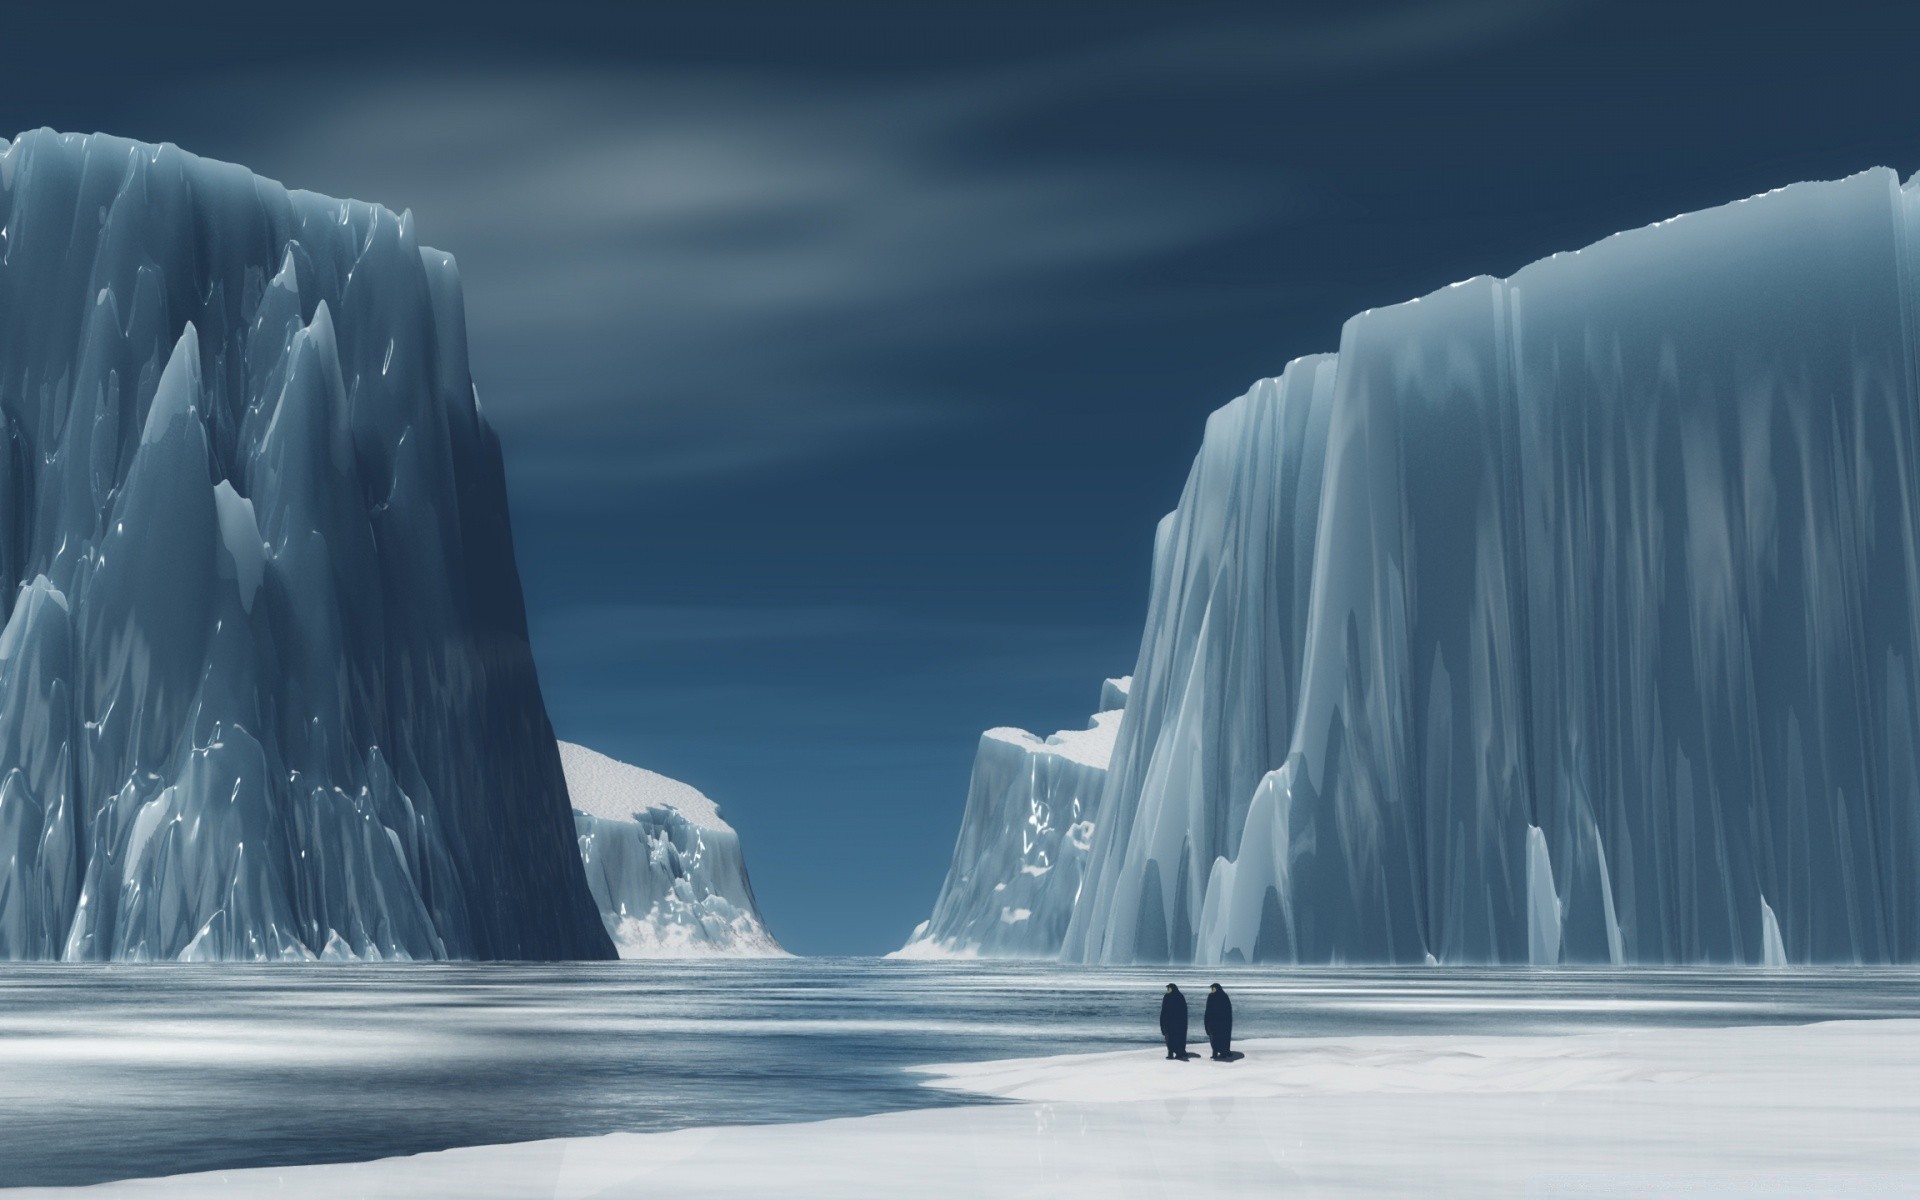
[[265, 687], [664, 868], [1030, 816], [1570, 617]]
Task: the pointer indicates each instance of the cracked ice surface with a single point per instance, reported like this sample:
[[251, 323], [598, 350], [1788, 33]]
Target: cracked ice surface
[[265, 689]]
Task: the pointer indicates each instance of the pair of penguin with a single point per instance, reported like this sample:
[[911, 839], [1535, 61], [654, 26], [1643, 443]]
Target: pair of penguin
[[1218, 1021]]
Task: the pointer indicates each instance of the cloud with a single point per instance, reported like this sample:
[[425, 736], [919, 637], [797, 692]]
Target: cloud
[[684, 274], [680, 273]]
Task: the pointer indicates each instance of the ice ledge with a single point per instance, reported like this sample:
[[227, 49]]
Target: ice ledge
[[608, 788], [1091, 747]]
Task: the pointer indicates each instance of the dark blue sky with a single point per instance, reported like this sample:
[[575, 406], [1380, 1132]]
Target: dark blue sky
[[846, 354]]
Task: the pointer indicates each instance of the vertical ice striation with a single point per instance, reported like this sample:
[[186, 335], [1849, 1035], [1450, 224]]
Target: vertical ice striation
[[1211, 701], [1032, 806], [1568, 617], [665, 870], [1543, 902], [265, 688]]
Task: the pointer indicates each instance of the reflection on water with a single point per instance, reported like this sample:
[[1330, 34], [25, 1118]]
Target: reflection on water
[[115, 1071]]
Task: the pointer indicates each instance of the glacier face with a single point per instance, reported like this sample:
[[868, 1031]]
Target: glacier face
[[265, 686], [1032, 806], [1571, 617], [664, 868]]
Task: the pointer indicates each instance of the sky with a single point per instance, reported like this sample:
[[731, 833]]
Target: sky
[[845, 354]]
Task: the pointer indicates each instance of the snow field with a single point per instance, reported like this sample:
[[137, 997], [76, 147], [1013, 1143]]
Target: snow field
[[1750, 1111]]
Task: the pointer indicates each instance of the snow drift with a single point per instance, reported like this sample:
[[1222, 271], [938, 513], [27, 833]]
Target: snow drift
[[664, 868], [265, 687], [1567, 617]]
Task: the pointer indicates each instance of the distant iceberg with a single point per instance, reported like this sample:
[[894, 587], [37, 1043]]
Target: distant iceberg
[[664, 868], [265, 687], [1571, 617], [1032, 806]]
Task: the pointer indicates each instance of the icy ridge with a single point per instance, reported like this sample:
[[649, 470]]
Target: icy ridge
[[1032, 805], [265, 687], [1568, 617], [666, 871]]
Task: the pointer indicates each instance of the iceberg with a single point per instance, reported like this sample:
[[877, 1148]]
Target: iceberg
[[1568, 617], [665, 870], [1031, 810], [265, 685]]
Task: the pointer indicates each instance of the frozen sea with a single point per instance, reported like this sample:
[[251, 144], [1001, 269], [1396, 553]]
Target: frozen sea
[[110, 1072]]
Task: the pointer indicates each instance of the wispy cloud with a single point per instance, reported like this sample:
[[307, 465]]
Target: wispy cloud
[[695, 273], [680, 273]]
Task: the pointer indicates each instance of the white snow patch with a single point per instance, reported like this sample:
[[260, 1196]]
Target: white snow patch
[[612, 790], [922, 947], [1303, 1066], [658, 935], [1091, 747]]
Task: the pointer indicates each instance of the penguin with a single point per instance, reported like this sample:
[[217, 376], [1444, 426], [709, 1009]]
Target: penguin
[[1219, 1021], [1173, 1022]]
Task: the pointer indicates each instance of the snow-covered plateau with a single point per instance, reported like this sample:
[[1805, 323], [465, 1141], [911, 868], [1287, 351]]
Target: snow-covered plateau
[[1568, 617], [665, 869], [265, 684], [1031, 809], [1779, 1111]]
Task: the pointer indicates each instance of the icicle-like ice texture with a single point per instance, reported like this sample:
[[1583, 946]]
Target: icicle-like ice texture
[[666, 871], [1031, 811], [265, 688], [1568, 617]]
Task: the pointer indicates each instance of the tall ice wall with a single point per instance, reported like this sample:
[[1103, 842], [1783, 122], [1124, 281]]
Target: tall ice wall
[[265, 686], [1573, 616]]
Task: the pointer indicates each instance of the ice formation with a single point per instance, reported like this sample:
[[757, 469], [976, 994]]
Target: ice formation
[[664, 868], [265, 687], [1031, 810], [1571, 617]]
